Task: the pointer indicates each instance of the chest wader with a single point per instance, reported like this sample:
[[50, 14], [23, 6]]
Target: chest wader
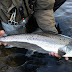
[[15, 15]]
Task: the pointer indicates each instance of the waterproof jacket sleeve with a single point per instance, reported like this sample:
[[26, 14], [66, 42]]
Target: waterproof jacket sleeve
[[44, 15]]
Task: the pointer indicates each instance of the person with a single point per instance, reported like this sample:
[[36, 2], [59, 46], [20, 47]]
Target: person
[[43, 12]]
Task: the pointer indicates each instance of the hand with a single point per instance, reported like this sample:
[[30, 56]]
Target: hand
[[1, 33], [56, 55]]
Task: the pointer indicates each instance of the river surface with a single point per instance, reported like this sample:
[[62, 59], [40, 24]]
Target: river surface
[[18, 60], [63, 17]]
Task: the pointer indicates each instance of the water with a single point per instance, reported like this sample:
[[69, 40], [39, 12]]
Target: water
[[17, 60], [63, 17]]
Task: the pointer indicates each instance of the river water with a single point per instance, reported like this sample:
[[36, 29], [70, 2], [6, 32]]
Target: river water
[[63, 17], [18, 60]]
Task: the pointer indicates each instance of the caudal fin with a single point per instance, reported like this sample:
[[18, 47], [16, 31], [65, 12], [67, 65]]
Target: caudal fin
[[4, 35]]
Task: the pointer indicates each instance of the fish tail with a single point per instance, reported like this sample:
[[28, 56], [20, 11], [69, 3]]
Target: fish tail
[[0, 39], [4, 35]]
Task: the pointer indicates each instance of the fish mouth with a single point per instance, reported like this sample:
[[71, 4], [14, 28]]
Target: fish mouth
[[61, 52]]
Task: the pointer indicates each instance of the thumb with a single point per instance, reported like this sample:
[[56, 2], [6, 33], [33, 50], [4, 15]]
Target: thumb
[[1, 33]]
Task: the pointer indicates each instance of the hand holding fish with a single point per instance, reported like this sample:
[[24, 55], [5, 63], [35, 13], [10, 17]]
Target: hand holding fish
[[1, 33], [56, 55]]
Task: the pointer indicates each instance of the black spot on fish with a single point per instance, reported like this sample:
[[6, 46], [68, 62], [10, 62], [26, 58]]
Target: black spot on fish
[[60, 39]]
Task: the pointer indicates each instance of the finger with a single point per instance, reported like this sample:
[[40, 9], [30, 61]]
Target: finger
[[5, 44], [52, 53], [57, 55], [49, 53], [1, 35], [66, 58], [0, 43], [2, 31]]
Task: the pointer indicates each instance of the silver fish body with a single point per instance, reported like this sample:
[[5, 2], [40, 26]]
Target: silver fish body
[[49, 43]]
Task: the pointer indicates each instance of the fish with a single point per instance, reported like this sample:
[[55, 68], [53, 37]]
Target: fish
[[43, 43]]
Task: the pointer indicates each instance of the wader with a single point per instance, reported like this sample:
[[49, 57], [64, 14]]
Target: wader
[[44, 15]]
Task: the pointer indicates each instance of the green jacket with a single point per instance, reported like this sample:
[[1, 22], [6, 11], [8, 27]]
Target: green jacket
[[43, 12]]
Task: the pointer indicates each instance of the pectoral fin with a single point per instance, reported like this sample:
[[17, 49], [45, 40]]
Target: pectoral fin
[[27, 46]]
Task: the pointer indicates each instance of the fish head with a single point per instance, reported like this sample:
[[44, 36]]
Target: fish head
[[69, 54], [66, 51]]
